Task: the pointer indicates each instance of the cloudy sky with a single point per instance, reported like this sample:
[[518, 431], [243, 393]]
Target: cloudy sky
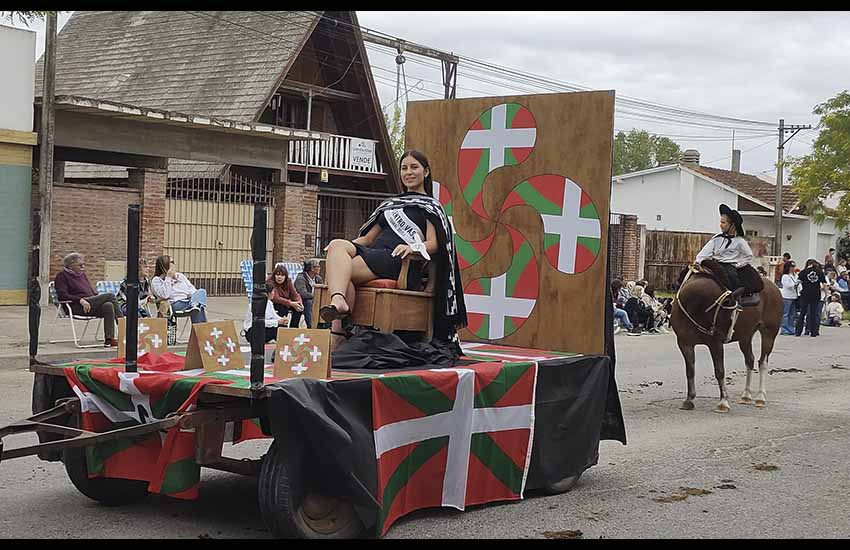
[[758, 66]]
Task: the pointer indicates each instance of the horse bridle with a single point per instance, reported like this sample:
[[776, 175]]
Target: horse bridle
[[717, 305]]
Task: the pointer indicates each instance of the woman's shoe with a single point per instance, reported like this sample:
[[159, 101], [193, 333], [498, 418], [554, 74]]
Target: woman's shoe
[[330, 313]]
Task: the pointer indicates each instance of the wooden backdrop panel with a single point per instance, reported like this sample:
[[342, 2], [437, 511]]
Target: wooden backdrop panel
[[574, 134]]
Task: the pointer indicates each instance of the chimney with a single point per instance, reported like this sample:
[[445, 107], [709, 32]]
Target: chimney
[[690, 157], [736, 160]]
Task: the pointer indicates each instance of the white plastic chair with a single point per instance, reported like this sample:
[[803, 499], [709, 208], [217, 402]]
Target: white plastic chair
[[64, 311]]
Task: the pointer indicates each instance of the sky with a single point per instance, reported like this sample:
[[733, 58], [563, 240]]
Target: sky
[[759, 66]]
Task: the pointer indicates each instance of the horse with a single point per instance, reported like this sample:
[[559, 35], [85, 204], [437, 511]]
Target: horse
[[704, 312]]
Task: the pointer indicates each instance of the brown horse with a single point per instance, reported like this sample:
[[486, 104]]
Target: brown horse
[[704, 312]]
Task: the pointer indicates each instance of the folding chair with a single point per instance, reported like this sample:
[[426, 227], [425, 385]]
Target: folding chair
[[64, 311]]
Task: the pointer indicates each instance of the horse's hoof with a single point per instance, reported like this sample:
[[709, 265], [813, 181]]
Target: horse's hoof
[[761, 403], [687, 406], [722, 408], [743, 400]]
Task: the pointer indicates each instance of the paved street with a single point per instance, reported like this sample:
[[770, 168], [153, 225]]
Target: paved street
[[800, 442]]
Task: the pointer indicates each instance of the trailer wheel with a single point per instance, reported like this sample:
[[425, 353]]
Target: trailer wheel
[[291, 510], [564, 486], [107, 491]]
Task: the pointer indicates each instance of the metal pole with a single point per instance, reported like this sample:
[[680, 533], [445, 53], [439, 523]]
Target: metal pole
[[777, 207], [309, 143], [259, 296], [131, 349], [46, 140]]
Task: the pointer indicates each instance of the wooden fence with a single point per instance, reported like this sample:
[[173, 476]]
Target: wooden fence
[[667, 252]]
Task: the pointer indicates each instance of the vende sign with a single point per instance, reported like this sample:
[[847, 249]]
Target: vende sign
[[361, 153]]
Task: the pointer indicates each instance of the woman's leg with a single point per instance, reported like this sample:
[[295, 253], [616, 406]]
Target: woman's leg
[[336, 326], [295, 320], [787, 316], [344, 267], [308, 313]]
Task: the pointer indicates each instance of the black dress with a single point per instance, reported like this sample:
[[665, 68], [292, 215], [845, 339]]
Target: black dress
[[378, 255]]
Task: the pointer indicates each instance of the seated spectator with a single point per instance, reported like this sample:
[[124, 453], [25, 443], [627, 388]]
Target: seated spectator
[[619, 313], [73, 286], [145, 295], [283, 295], [272, 322], [176, 292], [841, 267], [843, 284], [304, 283], [639, 314], [659, 314], [834, 312]]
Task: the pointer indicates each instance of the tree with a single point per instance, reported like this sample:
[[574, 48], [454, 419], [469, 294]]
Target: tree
[[26, 17], [395, 126], [825, 172], [639, 150]]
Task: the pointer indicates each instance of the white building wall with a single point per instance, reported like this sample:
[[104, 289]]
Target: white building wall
[[683, 201], [17, 68]]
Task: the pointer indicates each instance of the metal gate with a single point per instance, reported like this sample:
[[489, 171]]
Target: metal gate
[[208, 224], [341, 216]]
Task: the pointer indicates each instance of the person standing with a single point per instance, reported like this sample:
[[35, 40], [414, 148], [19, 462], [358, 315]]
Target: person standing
[[790, 289], [72, 285], [304, 284], [812, 281]]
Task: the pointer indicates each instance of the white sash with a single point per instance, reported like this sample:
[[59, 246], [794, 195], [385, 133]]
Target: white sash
[[405, 228]]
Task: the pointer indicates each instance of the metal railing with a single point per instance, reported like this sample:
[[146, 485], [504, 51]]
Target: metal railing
[[338, 153]]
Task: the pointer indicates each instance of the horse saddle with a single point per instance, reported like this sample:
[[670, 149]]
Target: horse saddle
[[745, 281]]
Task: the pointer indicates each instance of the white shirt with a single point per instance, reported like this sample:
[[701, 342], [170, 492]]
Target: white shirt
[[271, 320], [738, 252], [790, 287], [834, 309], [173, 290]]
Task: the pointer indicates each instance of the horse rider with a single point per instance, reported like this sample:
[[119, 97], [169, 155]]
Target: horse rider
[[730, 250]]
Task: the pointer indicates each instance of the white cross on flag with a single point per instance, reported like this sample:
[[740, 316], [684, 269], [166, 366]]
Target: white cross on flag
[[495, 134]]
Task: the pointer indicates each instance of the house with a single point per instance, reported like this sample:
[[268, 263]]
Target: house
[[17, 141], [283, 69], [684, 198]]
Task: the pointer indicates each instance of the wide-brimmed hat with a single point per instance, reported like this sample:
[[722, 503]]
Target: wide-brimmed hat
[[735, 216]]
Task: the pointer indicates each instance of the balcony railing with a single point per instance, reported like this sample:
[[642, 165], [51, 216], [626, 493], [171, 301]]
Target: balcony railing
[[338, 153]]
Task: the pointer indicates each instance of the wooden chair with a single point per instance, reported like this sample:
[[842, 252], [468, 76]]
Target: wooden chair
[[387, 305]]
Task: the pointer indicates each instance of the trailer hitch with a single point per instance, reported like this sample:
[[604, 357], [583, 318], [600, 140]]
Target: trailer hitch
[[74, 437]]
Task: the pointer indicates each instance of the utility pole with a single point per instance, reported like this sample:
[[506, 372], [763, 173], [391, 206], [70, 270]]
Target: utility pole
[[448, 60], [39, 257], [780, 173], [46, 140]]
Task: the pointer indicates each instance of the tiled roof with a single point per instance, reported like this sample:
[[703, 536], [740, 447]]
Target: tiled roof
[[750, 185], [223, 64]]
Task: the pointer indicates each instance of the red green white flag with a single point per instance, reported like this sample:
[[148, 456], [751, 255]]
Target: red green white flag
[[498, 306], [112, 398], [572, 230], [452, 437], [501, 136]]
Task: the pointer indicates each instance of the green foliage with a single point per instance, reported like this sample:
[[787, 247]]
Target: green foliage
[[843, 251], [826, 170], [26, 17], [639, 150], [395, 127]]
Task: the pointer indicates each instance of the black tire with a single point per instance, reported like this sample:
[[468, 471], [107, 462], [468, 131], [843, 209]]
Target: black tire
[[105, 490], [564, 486], [290, 510]]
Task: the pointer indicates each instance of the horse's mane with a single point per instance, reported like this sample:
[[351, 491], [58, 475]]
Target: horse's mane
[[710, 269]]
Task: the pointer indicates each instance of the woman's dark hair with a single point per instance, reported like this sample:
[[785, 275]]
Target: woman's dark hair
[[423, 160], [616, 285], [789, 265], [650, 290], [279, 268], [162, 265]]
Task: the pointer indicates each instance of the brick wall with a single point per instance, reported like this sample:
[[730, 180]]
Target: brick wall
[[151, 186], [295, 217], [630, 246], [92, 221]]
